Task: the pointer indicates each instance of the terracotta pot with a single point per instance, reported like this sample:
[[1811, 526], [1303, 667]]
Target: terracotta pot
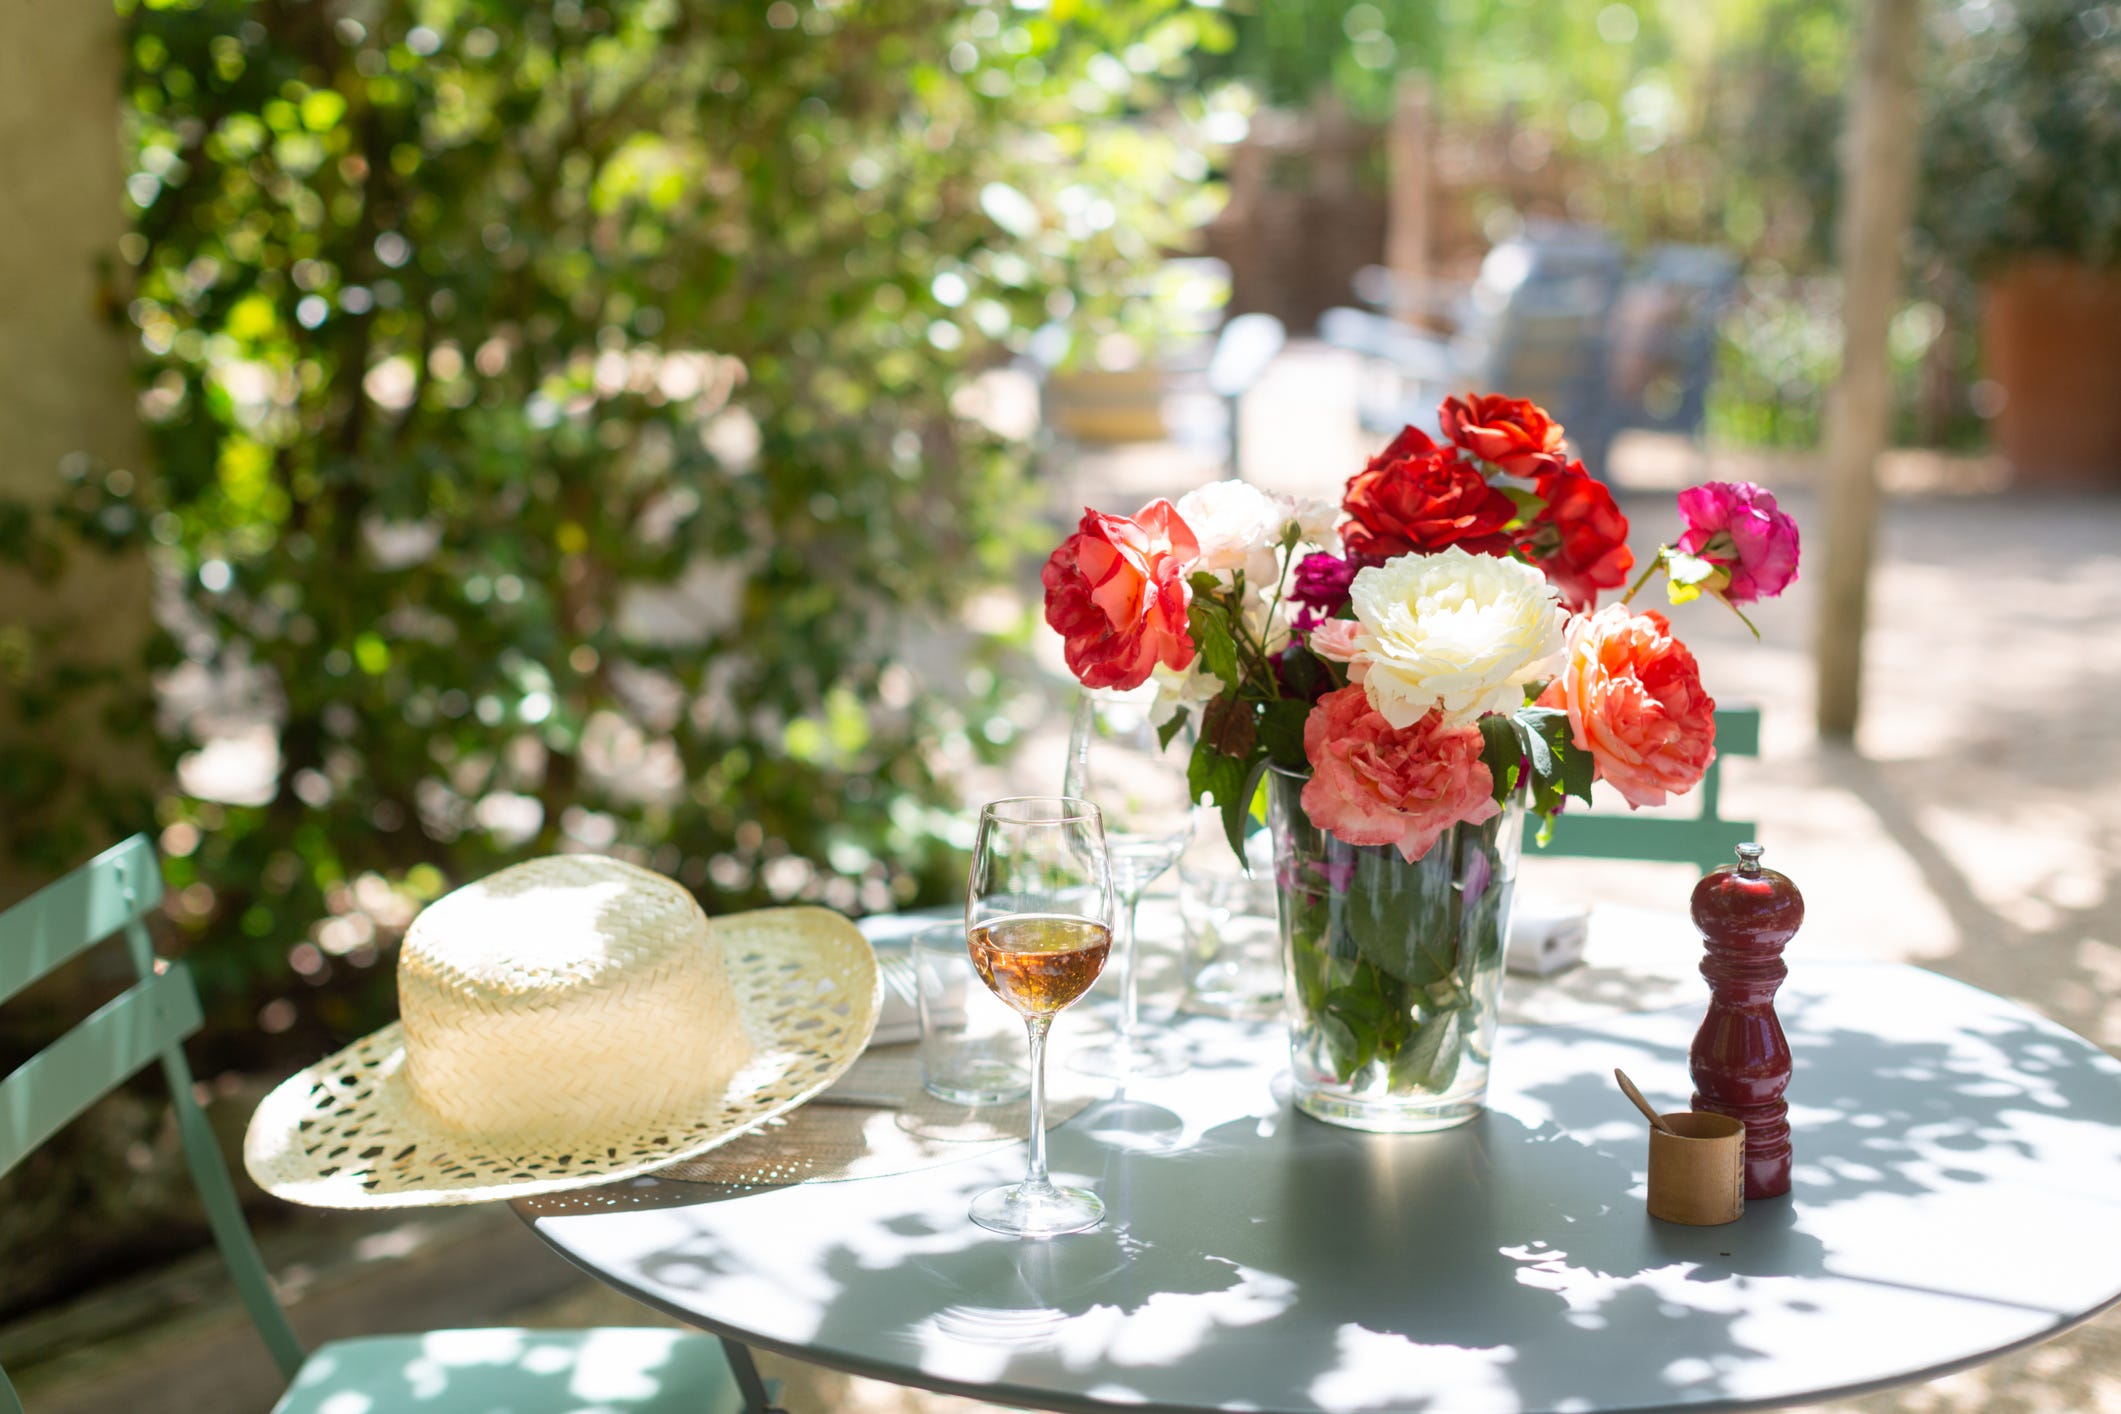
[[1106, 406], [2051, 336]]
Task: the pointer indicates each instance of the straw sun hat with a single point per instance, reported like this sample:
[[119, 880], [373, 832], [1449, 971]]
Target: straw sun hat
[[566, 1022]]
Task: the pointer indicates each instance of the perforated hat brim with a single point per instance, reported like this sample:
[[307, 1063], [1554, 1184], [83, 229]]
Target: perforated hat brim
[[349, 1133]]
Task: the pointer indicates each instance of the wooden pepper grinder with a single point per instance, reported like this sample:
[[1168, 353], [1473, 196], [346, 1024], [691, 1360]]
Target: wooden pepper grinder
[[1740, 1060]]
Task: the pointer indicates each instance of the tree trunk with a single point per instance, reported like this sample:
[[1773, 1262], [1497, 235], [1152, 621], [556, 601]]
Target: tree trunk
[[1878, 178], [68, 395]]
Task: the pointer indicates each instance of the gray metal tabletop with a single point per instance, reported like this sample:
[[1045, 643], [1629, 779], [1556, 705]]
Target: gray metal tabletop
[[1958, 1193]]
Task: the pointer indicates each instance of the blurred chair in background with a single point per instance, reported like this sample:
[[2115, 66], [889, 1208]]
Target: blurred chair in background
[[1531, 325], [1660, 349]]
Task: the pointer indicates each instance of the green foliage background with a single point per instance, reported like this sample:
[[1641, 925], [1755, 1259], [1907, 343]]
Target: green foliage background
[[465, 325]]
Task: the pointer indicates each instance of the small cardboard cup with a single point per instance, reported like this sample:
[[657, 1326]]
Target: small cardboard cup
[[1698, 1177]]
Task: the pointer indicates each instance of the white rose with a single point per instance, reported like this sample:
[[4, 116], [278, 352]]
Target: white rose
[[1179, 691], [1317, 521], [1470, 632], [1239, 527]]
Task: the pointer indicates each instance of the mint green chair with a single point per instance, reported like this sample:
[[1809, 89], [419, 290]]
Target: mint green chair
[[1704, 841], [505, 1371]]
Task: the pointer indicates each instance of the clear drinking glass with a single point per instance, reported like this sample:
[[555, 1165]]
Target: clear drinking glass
[[1233, 936], [1115, 760], [1038, 923], [969, 1039]]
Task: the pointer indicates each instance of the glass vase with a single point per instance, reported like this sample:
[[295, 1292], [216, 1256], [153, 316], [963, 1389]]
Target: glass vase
[[1392, 968]]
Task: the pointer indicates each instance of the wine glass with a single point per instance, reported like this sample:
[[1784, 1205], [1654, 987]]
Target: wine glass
[[1116, 760], [1038, 922]]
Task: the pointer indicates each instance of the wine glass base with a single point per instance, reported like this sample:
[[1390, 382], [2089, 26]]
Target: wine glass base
[[1120, 1060], [1037, 1210]]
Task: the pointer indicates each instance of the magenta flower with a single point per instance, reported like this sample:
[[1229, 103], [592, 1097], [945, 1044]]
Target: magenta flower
[[1737, 527], [1321, 586]]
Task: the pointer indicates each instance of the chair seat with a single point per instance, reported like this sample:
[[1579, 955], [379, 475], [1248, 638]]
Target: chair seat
[[613, 1370]]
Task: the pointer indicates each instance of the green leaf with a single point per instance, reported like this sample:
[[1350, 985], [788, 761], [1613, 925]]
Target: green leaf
[[1430, 1060], [1401, 918], [1529, 503], [1578, 769], [1209, 772], [1232, 781], [1168, 732], [1238, 808], [1210, 627], [1536, 750], [1281, 731], [1347, 1051], [1303, 675], [1502, 752]]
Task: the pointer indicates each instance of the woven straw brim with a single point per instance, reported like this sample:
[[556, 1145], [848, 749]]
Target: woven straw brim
[[349, 1133]]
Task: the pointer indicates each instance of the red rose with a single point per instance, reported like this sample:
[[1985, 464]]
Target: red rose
[[1417, 497], [1579, 539], [1514, 433], [1116, 592]]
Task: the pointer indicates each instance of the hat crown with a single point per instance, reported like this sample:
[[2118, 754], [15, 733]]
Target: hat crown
[[560, 992]]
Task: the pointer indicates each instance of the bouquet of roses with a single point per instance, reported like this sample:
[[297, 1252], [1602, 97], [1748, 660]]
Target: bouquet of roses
[[1430, 647], [1421, 658]]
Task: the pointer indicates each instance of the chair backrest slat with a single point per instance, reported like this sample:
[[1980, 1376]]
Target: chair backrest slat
[[147, 1023], [1705, 841], [122, 1038], [67, 918]]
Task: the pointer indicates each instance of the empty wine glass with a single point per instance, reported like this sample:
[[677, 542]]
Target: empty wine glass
[[1038, 922], [1116, 761]]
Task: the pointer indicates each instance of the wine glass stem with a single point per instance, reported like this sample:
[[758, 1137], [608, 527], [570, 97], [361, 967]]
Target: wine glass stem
[[1037, 1026], [1129, 976]]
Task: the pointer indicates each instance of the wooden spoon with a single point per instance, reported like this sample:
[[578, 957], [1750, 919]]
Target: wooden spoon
[[1627, 1087]]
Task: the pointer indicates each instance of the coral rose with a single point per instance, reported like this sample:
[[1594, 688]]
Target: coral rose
[[1116, 592], [1416, 497], [1635, 702], [1371, 784], [1579, 538], [1514, 433], [1737, 527]]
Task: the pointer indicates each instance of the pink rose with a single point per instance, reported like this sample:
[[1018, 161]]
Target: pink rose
[[1116, 591], [1334, 640], [1736, 526], [1635, 702], [1373, 785]]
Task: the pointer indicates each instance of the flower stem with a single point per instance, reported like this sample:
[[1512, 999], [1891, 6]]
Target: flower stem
[[1656, 563]]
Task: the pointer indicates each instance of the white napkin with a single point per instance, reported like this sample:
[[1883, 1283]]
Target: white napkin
[[1546, 934]]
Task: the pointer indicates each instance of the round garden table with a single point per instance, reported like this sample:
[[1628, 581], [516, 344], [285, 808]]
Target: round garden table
[[1957, 1194]]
